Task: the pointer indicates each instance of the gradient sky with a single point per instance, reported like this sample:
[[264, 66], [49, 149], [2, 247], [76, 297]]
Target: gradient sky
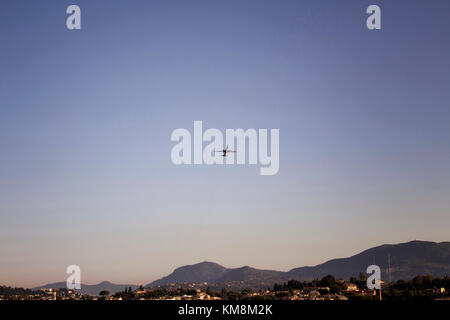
[[86, 117]]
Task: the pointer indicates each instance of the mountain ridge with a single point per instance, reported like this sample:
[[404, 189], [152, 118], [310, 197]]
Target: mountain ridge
[[407, 259]]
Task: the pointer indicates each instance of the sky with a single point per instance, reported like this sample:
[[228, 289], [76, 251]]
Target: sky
[[86, 117]]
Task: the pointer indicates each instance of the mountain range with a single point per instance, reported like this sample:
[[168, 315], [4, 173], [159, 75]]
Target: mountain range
[[407, 260]]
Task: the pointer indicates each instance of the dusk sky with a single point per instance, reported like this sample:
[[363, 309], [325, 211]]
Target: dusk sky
[[86, 117]]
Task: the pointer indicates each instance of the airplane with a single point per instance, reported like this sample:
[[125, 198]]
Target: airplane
[[224, 151]]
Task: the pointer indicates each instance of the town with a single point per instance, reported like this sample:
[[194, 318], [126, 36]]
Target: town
[[327, 288]]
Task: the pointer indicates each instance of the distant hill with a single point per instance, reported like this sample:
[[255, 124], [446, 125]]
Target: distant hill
[[91, 289], [250, 274], [214, 273], [200, 272], [407, 260], [247, 277]]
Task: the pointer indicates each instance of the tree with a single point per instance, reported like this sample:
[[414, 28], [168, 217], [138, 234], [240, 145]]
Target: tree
[[294, 284], [362, 277], [328, 281], [104, 293], [224, 293]]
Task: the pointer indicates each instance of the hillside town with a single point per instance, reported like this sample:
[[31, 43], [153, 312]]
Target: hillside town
[[327, 288]]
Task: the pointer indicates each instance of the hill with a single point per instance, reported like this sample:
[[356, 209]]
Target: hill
[[200, 272], [407, 260]]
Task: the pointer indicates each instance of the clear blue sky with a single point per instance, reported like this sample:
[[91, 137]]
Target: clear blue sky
[[86, 118]]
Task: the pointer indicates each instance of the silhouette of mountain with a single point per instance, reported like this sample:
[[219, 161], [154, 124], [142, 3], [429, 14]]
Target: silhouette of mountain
[[407, 260], [91, 289], [249, 274], [200, 272]]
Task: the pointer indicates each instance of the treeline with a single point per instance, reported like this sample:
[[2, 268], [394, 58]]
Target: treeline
[[9, 292], [328, 281], [129, 294], [420, 287]]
